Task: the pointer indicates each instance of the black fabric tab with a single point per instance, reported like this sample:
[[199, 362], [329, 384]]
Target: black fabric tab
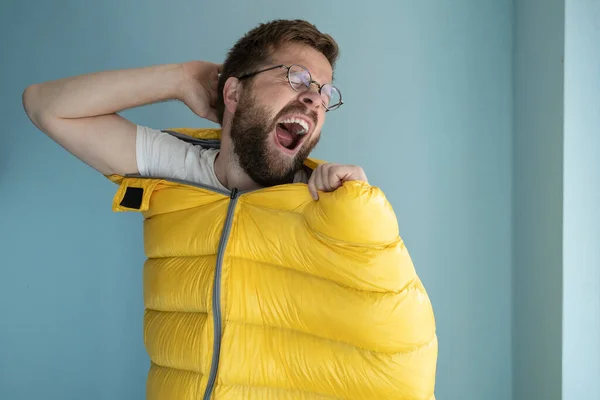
[[133, 198]]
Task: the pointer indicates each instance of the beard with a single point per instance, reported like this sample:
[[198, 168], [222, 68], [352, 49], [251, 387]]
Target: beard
[[250, 133]]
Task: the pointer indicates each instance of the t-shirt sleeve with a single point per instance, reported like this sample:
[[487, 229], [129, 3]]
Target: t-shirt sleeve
[[162, 155], [159, 154]]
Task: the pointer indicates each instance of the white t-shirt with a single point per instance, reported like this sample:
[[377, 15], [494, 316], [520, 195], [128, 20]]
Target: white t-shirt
[[160, 154]]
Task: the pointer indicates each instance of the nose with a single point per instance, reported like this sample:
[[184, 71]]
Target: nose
[[311, 98]]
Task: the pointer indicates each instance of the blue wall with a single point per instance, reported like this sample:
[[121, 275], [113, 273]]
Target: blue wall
[[537, 199], [581, 270], [428, 91], [556, 278]]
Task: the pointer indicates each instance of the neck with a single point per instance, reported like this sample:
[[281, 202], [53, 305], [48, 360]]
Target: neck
[[229, 172]]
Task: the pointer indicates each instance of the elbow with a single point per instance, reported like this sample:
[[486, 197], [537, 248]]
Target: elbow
[[31, 104], [28, 100]]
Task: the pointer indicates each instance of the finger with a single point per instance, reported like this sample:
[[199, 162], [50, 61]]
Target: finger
[[321, 178], [358, 174], [363, 176], [351, 173], [319, 186], [312, 187], [335, 177]]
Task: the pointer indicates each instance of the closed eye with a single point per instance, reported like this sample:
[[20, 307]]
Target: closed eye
[[300, 78]]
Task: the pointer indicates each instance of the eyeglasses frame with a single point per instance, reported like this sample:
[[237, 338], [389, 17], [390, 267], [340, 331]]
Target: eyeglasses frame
[[317, 84]]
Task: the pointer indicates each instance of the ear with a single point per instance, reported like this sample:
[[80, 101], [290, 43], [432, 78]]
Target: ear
[[231, 94]]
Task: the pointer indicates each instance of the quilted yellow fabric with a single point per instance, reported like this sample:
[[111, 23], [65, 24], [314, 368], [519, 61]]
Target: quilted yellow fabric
[[268, 294]]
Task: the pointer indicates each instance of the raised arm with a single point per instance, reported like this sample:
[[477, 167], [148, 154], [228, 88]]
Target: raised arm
[[80, 113]]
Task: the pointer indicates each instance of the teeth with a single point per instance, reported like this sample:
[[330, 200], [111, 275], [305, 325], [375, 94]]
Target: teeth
[[298, 121]]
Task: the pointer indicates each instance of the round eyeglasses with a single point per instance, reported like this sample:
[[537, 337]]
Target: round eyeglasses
[[299, 78]]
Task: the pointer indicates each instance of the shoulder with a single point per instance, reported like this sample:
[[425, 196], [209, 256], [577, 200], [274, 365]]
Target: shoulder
[[152, 135], [162, 154], [156, 140]]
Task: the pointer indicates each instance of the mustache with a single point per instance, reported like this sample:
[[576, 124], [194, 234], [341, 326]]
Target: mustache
[[297, 108]]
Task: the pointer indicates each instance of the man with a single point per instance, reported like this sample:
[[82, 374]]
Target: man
[[252, 289], [80, 113]]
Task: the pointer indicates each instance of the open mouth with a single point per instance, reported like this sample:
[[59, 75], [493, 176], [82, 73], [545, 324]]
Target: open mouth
[[290, 132]]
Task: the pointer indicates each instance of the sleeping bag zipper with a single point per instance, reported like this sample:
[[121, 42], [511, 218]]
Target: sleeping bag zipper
[[216, 297]]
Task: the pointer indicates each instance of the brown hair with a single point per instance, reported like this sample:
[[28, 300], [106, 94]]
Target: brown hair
[[255, 48]]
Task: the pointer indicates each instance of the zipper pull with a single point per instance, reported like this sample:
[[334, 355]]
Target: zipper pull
[[234, 193]]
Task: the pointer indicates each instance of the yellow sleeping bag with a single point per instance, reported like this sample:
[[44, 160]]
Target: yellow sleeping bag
[[268, 294]]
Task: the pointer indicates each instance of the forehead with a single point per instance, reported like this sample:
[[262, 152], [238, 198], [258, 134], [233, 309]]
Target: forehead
[[314, 60]]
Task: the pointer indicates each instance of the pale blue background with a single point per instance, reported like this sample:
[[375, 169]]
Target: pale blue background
[[459, 109], [556, 200], [581, 274]]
